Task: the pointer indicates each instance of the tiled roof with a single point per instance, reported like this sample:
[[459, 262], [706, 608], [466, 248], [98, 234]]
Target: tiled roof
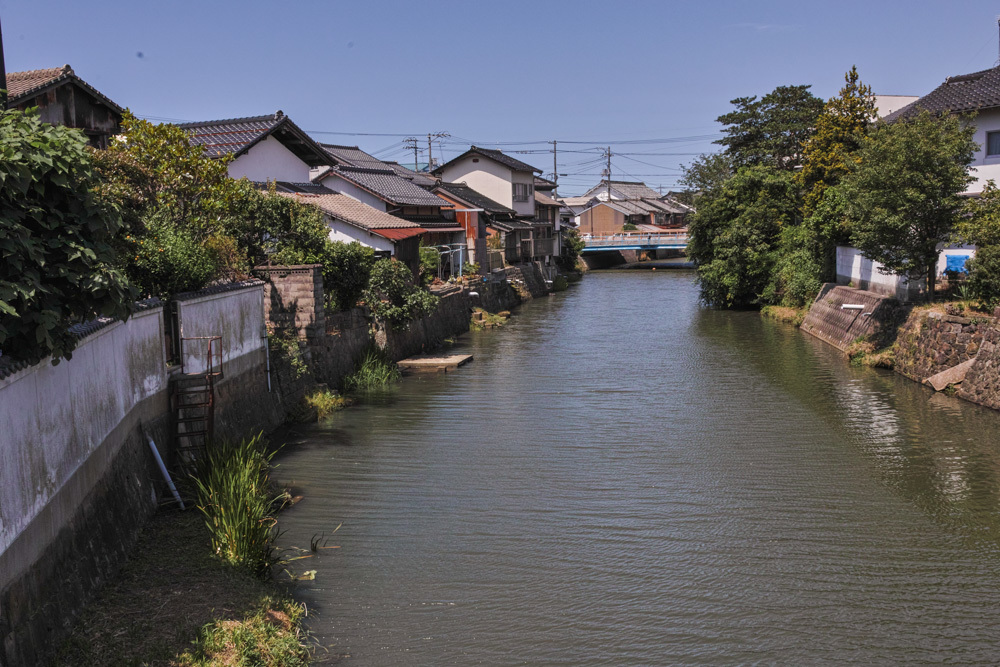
[[425, 181], [496, 156], [235, 136], [302, 188], [474, 199], [386, 185], [545, 200], [544, 184], [350, 210], [968, 92], [627, 189], [352, 156], [510, 225], [577, 201], [26, 84]]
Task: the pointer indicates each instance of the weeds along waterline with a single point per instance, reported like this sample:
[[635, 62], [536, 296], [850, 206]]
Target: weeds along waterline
[[235, 496], [375, 372]]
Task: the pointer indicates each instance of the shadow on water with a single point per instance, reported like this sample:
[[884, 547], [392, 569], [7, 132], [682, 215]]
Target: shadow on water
[[938, 452]]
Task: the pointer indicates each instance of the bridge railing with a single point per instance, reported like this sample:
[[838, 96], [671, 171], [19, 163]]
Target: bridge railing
[[635, 238]]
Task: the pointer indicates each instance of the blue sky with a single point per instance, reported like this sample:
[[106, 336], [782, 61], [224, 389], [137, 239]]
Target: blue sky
[[507, 74]]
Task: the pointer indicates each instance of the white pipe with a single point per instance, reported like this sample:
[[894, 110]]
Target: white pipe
[[163, 469], [852, 306]]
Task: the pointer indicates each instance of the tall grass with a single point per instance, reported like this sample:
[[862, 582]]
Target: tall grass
[[235, 495], [376, 371]]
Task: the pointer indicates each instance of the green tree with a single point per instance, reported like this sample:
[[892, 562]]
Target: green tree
[[771, 130], [268, 226], [834, 146], [347, 268], [393, 298], [154, 168], [735, 235], [572, 246], [902, 199], [55, 237], [706, 173], [980, 226]]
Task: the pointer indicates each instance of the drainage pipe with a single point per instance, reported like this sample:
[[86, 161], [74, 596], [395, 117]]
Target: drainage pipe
[[163, 469]]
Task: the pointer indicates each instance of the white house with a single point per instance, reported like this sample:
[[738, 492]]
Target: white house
[[979, 94], [263, 148], [493, 174]]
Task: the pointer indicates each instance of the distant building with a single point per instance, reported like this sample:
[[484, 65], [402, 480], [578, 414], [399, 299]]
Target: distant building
[[63, 98], [641, 204], [887, 104], [263, 148]]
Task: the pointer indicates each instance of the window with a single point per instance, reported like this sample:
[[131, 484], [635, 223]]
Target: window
[[523, 191], [993, 144]]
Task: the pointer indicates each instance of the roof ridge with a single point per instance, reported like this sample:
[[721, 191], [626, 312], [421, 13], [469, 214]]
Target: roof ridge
[[365, 170], [357, 148], [278, 115], [31, 73]]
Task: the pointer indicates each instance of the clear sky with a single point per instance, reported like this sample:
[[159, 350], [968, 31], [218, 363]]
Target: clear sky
[[506, 74]]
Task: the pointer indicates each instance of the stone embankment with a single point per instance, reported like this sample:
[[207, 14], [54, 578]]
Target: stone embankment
[[935, 348]]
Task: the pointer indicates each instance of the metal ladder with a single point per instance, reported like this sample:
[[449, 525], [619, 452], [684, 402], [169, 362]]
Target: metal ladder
[[193, 402]]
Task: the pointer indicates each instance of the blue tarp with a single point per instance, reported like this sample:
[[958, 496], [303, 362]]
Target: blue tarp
[[956, 262]]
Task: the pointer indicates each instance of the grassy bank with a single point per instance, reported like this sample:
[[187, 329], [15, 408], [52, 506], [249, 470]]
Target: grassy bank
[[175, 604], [793, 316]]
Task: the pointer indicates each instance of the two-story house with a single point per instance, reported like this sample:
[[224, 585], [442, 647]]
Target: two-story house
[[504, 179], [262, 148]]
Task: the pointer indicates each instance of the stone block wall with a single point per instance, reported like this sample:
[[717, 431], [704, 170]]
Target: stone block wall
[[293, 298], [496, 296], [930, 342], [982, 382]]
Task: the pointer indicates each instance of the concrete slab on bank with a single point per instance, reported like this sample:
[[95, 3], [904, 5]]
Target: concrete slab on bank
[[434, 363]]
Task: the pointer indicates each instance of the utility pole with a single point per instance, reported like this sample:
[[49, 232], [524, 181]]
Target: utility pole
[[436, 135], [555, 169], [411, 142], [608, 154]]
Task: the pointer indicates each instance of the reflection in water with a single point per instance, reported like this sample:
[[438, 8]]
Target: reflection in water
[[623, 477]]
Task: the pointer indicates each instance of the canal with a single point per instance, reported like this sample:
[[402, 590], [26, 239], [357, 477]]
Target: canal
[[623, 477]]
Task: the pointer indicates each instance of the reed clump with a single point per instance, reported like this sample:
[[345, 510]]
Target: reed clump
[[236, 498], [376, 371]]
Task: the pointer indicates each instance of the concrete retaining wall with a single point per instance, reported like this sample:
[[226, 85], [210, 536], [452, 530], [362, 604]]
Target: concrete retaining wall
[[293, 298], [829, 321]]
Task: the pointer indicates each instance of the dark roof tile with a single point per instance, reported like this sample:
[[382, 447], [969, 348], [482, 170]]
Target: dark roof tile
[[968, 92], [235, 136], [474, 199], [386, 185]]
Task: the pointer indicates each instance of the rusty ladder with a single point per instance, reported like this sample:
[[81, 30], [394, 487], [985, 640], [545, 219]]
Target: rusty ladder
[[193, 401]]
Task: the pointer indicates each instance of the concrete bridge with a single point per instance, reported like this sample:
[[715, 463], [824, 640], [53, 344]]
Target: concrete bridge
[[672, 240]]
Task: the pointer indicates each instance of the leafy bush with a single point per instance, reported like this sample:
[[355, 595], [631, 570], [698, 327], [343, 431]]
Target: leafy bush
[[629, 227], [234, 494], [983, 284], [168, 260], [56, 236], [346, 269], [572, 246], [429, 260], [560, 284], [393, 298], [796, 279], [470, 269], [375, 371]]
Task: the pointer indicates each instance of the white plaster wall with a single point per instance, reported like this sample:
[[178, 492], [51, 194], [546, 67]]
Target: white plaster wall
[[237, 316], [854, 268], [53, 418], [485, 177], [968, 250], [338, 184], [985, 168], [341, 231], [269, 160]]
